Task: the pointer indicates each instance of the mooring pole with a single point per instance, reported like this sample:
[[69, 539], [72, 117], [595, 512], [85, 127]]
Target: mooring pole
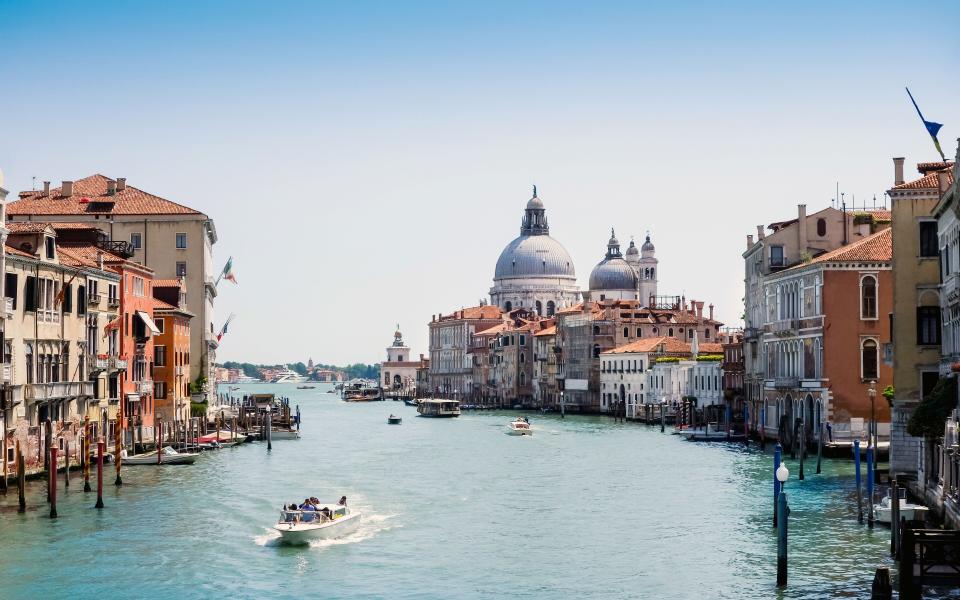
[[269, 431], [100, 445], [66, 464], [159, 443], [870, 481], [21, 481], [777, 457], [784, 511], [856, 460], [894, 518], [763, 427], [819, 447], [53, 482]]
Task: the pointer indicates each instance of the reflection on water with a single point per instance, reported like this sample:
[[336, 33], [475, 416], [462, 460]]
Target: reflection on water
[[584, 508]]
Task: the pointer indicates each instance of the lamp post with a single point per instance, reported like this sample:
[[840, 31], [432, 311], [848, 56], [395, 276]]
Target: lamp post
[[562, 416], [784, 511]]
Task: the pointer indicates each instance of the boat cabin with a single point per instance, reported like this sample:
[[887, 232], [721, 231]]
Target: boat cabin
[[439, 408]]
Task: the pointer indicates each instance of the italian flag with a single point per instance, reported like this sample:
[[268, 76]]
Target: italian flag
[[228, 271]]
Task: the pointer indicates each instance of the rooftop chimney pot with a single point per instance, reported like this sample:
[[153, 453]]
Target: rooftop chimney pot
[[121, 183], [898, 170], [749, 242], [943, 181], [46, 188], [111, 187], [66, 190], [760, 234]]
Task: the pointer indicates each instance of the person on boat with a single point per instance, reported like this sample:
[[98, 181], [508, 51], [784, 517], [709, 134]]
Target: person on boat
[[342, 501]]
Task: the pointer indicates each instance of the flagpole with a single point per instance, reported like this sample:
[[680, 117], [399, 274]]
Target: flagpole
[[933, 136]]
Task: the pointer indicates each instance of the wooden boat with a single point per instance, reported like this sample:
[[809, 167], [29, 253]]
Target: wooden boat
[[301, 527], [169, 456], [394, 420], [438, 408]]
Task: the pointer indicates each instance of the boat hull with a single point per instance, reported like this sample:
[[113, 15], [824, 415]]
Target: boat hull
[[304, 533], [176, 459], [511, 431], [284, 434], [883, 513]]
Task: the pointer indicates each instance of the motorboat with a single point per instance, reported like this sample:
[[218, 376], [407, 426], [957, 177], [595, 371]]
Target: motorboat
[[301, 527], [713, 432], [225, 439], [438, 408], [410, 401], [519, 426], [909, 511], [168, 456], [284, 434], [306, 387], [332, 391], [394, 420]]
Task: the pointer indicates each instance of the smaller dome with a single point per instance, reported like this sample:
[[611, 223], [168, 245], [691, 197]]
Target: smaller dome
[[613, 240], [632, 250], [647, 245], [613, 274], [535, 203]]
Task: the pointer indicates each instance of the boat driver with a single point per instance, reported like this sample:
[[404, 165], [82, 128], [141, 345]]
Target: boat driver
[[342, 501]]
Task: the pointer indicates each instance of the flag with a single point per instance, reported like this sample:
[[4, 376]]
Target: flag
[[223, 330], [932, 127], [114, 324], [63, 291], [227, 272]]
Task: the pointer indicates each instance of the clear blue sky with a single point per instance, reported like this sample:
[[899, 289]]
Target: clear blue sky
[[365, 163]]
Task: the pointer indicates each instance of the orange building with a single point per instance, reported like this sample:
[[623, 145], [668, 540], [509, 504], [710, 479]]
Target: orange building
[[171, 352], [826, 342]]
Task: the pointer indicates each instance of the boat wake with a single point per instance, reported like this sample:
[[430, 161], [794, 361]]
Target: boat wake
[[370, 525]]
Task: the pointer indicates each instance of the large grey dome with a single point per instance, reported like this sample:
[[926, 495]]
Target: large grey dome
[[534, 256], [613, 274]]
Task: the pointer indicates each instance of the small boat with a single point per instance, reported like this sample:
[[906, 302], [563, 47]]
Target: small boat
[[168, 457], [332, 391], [908, 510], [393, 420], [306, 387], [284, 434], [234, 388], [410, 402], [438, 408], [300, 527], [713, 433], [519, 426]]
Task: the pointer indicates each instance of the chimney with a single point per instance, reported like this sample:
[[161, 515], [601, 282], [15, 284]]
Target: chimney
[[802, 228], [100, 260], [943, 181], [898, 170], [749, 242], [699, 304], [760, 234], [66, 190], [711, 311], [111, 187], [121, 183], [46, 188]]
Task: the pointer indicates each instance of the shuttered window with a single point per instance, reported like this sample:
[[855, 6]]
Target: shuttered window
[[81, 299], [68, 299], [30, 294], [11, 288]]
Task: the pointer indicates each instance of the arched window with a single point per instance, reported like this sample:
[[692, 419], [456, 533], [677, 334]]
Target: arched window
[[522, 358], [670, 332], [868, 297], [626, 332], [689, 333], [706, 334], [551, 308], [653, 273], [539, 308], [639, 332], [596, 350], [28, 352], [508, 306], [821, 227], [869, 361], [596, 330]]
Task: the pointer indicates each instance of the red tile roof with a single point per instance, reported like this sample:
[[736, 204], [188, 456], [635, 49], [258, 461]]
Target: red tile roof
[[27, 227], [475, 313], [85, 255], [931, 181], [552, 330], [492, 330], [874, 248], [925, 167], [167, 283], [161, 305], [18, 252], [671, 346], [90, 197]]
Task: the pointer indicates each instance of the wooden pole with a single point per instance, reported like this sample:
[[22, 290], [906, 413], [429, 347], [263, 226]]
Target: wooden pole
[[4, 433], [21, 481], [118, 445], [819, 447], [159, 443], [856, 460], [66, 464], [53, 482], [86, 454], [784, 513], [802, 442], [100, 445], [894, 518], [269, 431]]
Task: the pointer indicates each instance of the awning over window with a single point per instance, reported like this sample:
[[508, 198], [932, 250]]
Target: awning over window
[[148, 322]]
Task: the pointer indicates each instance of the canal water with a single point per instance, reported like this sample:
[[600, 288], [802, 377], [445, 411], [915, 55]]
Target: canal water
[[452, 508]]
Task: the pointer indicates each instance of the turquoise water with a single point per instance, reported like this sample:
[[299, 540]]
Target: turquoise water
[[453, 508]]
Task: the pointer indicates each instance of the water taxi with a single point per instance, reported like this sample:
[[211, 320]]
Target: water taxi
[[362, 391], [169, 456], [519, 426], [394, 420], [438, 408], [328, 522], [909, 511]]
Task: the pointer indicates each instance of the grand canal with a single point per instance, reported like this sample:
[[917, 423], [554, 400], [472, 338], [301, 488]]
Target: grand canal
[[585, 508]]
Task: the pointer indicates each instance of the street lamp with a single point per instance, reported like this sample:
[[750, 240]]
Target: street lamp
[[783, 512]]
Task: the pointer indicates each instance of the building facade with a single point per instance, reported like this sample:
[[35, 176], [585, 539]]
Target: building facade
[[171, 360], [451, 367], [399, 372]]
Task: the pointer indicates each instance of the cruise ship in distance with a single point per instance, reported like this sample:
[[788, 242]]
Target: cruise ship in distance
[[288, 376]]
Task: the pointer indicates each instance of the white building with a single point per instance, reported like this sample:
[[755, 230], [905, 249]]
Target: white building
[[633, 277], [534, 271], [399, 372]]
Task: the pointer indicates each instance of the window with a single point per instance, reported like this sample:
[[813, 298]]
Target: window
[[928, 238], [160, 389], [626, 332], [112, 292], [181, 240], [160, 356], [639, 332], [10, 288], [776, 256], [928, 325], [821, 227], [48, 244], [160, 324], [869, 360], [136, 240], [523, 340], [868, 297], [182, 272], [138, 285]]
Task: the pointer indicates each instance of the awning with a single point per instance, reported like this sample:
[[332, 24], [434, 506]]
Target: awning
[[148, 322]]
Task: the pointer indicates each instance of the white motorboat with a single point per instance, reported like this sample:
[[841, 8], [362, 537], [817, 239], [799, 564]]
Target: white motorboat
[[519, 426], [884, 509], [714, 432], [300, 527], [284, 434], [169, 457]]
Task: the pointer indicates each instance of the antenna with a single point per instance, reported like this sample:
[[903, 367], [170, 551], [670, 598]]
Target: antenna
[[33, 183]]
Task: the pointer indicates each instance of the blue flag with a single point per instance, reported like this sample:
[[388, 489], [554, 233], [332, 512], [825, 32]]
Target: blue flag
[[932, 127]]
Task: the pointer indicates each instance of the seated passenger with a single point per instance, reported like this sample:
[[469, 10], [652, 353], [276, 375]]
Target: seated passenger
[[342, 501]]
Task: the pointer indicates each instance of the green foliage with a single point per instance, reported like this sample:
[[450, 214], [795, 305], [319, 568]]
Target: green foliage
[[299, 368], [197, 385], [860, 218], [931, 414], [709, 357], [198, 409], [356, 370], [668, 359], [250, 370], [888, 392]]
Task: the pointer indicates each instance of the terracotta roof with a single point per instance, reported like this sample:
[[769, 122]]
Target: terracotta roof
[[406, 363], [925, 167], [27, 227], [59, 226], [492, 330], [671, 346], [86, 255], [18, 252], [552, 330], [874, 248], [90, 197], [927, 182], [880, 214], [475, 312], [167, 283], [161, 305]]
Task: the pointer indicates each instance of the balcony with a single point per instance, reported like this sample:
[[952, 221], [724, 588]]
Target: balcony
[[38, 392], [210, 286], [93, 299], [119, 364], [750, 333], [7, 373], [179, 371], [113, 302], [786, 382], [119, 247], [145, 386], [100, 363], [8, 307]]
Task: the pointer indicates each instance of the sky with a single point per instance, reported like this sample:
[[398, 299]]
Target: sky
[[366, 162]]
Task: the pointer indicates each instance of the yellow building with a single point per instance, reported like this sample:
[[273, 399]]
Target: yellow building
[[916, 303]]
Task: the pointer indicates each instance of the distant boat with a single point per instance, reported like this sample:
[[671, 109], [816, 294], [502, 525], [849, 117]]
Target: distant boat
[[394, 420], [362, 390], [519, 426], [908, 510], [411, 401], [306, 387], [430, 407], [169, 457], [288, 376]]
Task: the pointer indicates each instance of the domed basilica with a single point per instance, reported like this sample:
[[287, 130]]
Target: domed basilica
[[535, 271]]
